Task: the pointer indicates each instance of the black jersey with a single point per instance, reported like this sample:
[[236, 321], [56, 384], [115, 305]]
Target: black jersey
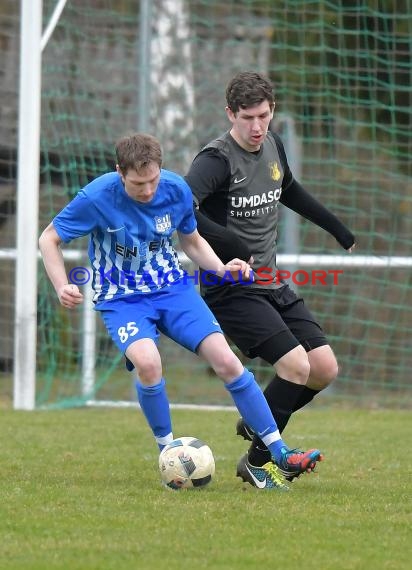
[[240, 190], [237, 193]]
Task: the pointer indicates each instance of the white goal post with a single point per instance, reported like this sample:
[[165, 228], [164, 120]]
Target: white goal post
[[32, 44], [27, 205]]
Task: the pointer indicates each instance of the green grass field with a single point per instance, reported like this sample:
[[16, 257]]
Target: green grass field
[[80, 490]]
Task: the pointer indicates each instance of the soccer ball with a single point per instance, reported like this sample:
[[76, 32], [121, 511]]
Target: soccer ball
[[185, 463]]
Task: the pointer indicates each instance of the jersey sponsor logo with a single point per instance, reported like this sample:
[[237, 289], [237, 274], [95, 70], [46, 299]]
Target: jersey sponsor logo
[[125, 251], [163, 223], [256, 199], [141, 250], [274, 171], [239, 180]]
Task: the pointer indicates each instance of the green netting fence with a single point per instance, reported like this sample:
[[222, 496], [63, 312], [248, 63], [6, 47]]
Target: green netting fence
[[342, 72]]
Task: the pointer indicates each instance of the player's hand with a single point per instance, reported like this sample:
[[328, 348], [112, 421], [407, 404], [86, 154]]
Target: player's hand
[[239, 269], [350, 250], [69, 296]]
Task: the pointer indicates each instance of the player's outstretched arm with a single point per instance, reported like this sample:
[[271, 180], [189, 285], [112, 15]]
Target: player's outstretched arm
[[49, 244], [199, 251], [300, 201]]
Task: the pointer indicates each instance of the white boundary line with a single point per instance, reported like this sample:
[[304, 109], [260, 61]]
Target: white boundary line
[[136, 405], [124, 404]]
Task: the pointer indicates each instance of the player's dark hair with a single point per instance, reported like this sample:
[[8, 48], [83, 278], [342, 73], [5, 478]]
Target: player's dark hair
[[247, 89], [137, 151]]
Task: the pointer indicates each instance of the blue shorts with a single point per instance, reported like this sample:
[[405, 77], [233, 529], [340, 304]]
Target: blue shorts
[[178, 311]]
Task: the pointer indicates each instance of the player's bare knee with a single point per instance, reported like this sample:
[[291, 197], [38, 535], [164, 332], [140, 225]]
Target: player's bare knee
[[332, 373], [324, 368], [227, 365], [321, 377], [294, 366], [148, 370]]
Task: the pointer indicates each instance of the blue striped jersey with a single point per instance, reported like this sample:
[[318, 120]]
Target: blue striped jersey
[[130, 243]]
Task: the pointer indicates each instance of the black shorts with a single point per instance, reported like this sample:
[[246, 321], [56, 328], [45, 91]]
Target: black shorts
[[267, 323]]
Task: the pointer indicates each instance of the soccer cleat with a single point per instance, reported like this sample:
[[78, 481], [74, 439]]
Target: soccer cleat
[[294, 462], [266, 477], [244, 430]]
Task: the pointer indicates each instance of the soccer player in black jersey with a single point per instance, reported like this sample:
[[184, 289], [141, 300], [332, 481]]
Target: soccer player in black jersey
[[237, 181]]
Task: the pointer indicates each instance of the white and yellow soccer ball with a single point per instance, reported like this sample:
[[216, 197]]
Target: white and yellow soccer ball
[[185, 463]]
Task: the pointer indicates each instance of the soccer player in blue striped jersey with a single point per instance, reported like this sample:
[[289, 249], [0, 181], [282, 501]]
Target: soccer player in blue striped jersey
[[141, 289]]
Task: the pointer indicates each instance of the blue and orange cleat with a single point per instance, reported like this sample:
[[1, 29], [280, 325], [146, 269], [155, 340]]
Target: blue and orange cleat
[[294, 462]]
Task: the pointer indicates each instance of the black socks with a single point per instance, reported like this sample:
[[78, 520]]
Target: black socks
[[284, 398], [305, 397]]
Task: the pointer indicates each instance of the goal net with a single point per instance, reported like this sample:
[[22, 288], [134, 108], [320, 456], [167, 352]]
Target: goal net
[[342, 75]]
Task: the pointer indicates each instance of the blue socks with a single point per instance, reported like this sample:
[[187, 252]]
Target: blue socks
[[155, 405], [247, 396], [254, 409]]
